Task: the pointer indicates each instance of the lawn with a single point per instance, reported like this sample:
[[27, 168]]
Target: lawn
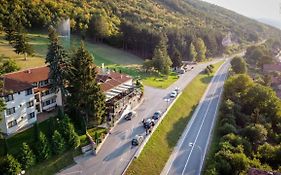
[[161, 144], [102, 53], [153, 79], [54, 164]]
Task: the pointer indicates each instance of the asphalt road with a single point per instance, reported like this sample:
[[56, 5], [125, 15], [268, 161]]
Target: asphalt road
[[117, 151], [188, 156]]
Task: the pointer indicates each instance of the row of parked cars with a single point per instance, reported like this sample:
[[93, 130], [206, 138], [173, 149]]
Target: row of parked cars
[[148, 123]]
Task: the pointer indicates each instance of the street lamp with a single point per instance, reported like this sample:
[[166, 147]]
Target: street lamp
[[198, 147]]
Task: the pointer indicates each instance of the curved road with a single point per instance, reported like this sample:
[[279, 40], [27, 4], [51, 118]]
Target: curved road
[[117, 151], [188, 156]]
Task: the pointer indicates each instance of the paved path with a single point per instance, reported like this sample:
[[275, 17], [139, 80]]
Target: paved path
[[188, 156], [117, 151]]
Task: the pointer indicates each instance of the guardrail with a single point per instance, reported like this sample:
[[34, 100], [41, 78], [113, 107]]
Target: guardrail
[[139, 150]]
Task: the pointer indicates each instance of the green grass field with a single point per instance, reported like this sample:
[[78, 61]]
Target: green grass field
[[161, 144], [153, 79], [102, 53]]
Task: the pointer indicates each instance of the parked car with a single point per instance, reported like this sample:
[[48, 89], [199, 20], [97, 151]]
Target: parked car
[[148, 123], [173, 94], [156, 115], [177, 89], [130, 115], [137, 140]]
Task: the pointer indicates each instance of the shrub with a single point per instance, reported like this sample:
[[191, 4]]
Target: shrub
[[27, 157], [227, 129], [68, 132], [43, 148], [58, 143], [10, 166]]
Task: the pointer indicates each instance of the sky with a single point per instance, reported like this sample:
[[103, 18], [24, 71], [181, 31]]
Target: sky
[[269, 9]]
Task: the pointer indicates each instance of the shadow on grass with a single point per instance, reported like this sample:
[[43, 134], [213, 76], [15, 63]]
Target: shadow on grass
[[174, 135], [206, 79]]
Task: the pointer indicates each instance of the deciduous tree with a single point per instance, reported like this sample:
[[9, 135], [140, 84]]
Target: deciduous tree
[[239, 65]]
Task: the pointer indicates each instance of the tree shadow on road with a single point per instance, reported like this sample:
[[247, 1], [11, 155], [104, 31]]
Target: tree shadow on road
[[118, 151], [178, 128]]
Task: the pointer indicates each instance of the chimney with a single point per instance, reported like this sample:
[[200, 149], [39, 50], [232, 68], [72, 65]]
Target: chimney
[[103, 69], [28, 71]]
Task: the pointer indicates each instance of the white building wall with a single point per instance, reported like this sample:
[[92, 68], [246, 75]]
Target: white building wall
[[21, 112]]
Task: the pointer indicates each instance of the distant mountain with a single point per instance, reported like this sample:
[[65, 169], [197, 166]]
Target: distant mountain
[[274, 23]]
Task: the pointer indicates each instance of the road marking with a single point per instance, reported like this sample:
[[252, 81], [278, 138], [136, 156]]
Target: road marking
[[191, 122], [204, 117], [212, 125]]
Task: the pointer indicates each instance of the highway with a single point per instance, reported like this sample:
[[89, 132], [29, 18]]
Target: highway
[[189, 154], [117, 151]]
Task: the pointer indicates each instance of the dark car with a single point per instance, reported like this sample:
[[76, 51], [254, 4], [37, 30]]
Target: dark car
[[137, 140], [156, 115], [130, 115], [148, 123]]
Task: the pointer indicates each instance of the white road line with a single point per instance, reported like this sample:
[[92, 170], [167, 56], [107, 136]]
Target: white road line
[[174, 154], [212, 125], [209, 104]]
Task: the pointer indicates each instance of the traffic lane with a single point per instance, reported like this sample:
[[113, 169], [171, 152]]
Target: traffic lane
[[177, 166], [196, 157], [201, 144]]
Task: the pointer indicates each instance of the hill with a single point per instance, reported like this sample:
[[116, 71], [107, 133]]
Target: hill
[[138, 25]]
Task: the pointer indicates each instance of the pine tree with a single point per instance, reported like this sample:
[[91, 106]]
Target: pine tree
[[162, 61], [10, 166], [68, 132], [21, 45], [57, 61], [177, 58], [58, 143], [193, 53], [201, 49], [27, 158], [86, 96], [43, 148]]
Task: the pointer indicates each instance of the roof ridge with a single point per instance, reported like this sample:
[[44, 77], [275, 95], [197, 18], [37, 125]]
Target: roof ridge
[[25, 70]]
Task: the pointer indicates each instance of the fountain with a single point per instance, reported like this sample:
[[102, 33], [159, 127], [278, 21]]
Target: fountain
[[64, 27]]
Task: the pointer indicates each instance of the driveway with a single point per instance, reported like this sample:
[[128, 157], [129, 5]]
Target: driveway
[[117, 151]]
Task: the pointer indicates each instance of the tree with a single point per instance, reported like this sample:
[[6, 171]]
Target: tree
[[57, 61], [162, 61], [148, 65], [21, 45], [176, 58], [9, 66], [27, 158], [99, 26], [201, 49], [256, 133], [192, 52], [43, 150], [58, 143], [67, 130], [86, 96], [10, 166], [238, 65]]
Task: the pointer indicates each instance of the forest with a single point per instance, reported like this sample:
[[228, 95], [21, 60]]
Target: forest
[[137, 26]]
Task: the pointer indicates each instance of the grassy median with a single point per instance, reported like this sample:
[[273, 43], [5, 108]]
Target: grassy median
[[160, 146]]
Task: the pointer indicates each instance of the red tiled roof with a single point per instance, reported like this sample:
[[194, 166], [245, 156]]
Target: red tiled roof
[[30, 75], [21, 80], [254, 171], [271, 67], [12, 85]]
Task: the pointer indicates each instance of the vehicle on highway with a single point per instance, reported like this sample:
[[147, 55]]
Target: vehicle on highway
[[137, 140], [173, 94], [157, 115], [130, 115], [147, 124], [177, 89]]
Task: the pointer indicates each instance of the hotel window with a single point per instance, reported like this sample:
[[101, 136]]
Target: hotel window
[[28, 91], [31, 115], [9, 98], [11, 111], [12, 123], [30, 104], [48, 102], [47, 92]]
